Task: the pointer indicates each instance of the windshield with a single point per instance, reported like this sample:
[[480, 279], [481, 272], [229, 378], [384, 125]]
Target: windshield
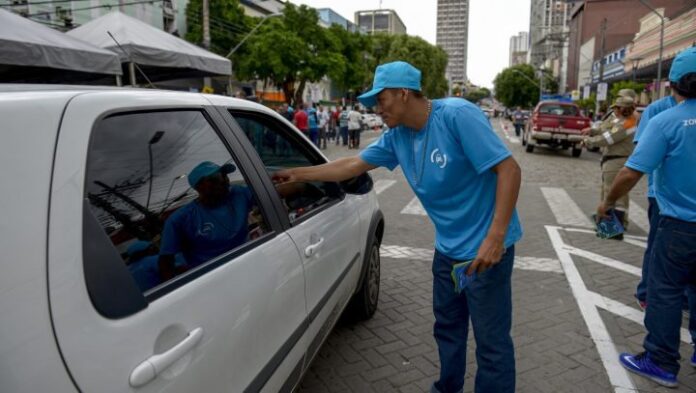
[[558, 110]]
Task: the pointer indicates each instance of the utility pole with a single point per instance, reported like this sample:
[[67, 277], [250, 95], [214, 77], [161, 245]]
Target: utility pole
[[206, 36], [603, 34]]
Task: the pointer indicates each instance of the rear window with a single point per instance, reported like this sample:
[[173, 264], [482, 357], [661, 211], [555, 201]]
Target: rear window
[[558, 110]]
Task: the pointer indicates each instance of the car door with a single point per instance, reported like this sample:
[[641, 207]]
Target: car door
[[122, 210], [323, 223]]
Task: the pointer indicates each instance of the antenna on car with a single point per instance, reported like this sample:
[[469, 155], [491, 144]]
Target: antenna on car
[[130, 59]]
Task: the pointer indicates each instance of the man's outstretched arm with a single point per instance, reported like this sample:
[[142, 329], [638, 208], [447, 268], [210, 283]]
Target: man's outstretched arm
[[338, 170]]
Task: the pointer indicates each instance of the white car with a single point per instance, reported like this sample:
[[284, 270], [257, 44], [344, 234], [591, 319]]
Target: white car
[[97, 206]]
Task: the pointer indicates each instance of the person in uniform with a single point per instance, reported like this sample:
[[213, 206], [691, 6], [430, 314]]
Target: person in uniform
[[468, 183], [667, 149], [615, 137]]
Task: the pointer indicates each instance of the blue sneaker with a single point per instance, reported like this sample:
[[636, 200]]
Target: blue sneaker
[[693, 359], [642, 365]]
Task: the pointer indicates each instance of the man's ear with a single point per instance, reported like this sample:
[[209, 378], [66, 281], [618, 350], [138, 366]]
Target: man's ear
[[404, 93]]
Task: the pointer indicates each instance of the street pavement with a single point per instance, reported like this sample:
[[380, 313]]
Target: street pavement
[[573, 304]]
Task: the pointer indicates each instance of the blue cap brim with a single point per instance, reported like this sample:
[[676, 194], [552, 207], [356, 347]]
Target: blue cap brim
[[369, 99]]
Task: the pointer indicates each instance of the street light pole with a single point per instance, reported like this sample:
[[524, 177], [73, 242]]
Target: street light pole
[[662, 40]]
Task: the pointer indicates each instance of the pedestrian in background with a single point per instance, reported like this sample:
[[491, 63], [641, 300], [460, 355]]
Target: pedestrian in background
[[667, 149], [343, 125], [518, 120], [354, 126], [301, 120], [615, 137], [313, 120], [468, 183], [324, 118]]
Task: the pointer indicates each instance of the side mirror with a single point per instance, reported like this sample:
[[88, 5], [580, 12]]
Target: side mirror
[[358, 185]]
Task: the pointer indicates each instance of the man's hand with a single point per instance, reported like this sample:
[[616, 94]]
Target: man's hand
[[489, 254], [602, 210], [285, 176]]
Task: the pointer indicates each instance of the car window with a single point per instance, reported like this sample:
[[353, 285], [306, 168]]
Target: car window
[[168, 194], [558, 110], [279, 148]]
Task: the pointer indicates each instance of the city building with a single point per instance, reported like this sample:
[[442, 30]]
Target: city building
[[453, 37], [549, 32], [519, 46], [616, 24], [328, 17], [261, 8], [380, 21]]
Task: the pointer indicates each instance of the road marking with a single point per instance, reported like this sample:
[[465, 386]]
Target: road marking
[[426, 255], [641, 239], [566, 211], [512, 139], [618, 376], [381, 185], [638, 216], [602, 260], [630, 313], [414, 207]]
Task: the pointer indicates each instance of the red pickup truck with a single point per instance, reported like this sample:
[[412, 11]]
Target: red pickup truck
[[557, 125]]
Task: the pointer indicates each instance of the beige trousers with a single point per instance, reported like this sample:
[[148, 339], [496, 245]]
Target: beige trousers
[[610, 169]]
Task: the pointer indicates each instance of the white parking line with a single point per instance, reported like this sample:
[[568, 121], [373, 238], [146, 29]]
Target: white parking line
[[564, 208], [547, 265], [414, 207], [630, 313], [638, 216], [381, 185], [618, 377], [602, 260]]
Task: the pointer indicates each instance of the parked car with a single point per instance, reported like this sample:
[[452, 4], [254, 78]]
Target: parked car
[[370, 121], [557, 125], [98, 199]]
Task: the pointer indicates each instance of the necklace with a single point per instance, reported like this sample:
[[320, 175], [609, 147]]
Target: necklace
[[419, 173]]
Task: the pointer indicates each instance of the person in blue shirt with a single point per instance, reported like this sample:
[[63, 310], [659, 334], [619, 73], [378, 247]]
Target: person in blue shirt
[[313, 124], [468, 183], [210, 225], [143, 259], [667, 149], [653, 210]]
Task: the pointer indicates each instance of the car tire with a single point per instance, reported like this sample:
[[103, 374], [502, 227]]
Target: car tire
[[529, 148], [576, 152], [364, 303]]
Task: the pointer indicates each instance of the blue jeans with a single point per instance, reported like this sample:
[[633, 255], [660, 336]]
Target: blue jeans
[[672, 269], [488, 301], [344, 135], [654, 219], [314, 136]]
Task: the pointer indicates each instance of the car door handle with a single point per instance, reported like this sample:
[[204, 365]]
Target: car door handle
[[311, 249], [155, 364]]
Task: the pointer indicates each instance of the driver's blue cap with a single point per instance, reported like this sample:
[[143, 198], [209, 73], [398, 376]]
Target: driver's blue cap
[[684, 63], [396, 75], [207, 168]]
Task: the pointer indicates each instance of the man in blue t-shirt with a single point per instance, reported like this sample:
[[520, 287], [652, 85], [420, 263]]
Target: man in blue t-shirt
[[212, 224], [468, 183], [667, 149], [653, 210]]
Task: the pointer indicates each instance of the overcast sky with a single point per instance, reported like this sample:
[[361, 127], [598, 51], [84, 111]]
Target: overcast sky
[[491, 23]]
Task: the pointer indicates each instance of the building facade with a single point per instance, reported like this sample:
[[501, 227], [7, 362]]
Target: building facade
[[328, 17], [453, 37], [549, 33], [380, 21], [519, 46]]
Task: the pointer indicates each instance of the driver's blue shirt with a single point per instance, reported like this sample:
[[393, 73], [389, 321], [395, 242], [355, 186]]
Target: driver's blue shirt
[[651, 111], [451, 173], [668, 150], [202, 233]]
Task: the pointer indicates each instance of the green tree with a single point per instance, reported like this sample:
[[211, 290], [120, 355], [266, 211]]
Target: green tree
[[517, 86], [430, 59], [476, 95], [290, 51], [228, 24], [355, 48], [615, 87]]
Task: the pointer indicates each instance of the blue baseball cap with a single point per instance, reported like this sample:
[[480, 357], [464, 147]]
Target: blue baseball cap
[[207, 168], [395, 75], [683, 64]]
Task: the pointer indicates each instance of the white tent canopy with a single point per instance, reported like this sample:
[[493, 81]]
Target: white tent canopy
[[28, 47], [150, 48]]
